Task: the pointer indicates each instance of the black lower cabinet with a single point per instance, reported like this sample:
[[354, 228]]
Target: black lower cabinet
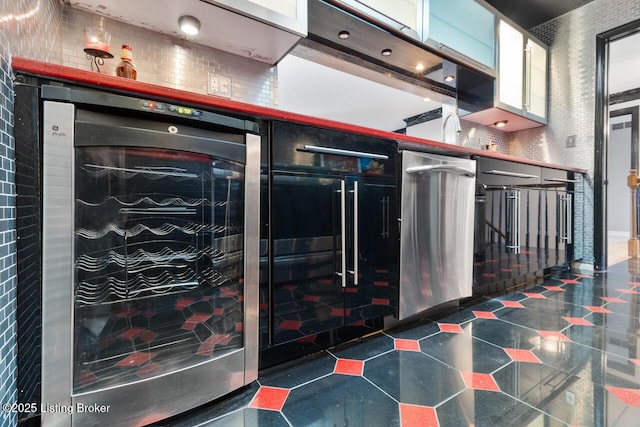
[[332, 272], [524, 224]]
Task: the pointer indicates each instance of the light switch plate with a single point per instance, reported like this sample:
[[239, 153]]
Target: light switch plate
[[219, 85]]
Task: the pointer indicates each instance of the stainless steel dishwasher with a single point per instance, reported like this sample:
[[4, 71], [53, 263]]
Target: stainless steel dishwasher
[[436, 231]]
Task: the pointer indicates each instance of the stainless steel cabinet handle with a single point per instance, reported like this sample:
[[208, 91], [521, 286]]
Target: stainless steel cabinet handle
[[441, 168], [355, 232], [572, 181], [340, 152], [513, 206], [566, 221], [343, 232], [512, 174]]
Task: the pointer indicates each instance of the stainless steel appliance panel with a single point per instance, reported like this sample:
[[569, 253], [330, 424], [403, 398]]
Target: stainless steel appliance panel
[[57, 256], [436, 231], [150, 271]]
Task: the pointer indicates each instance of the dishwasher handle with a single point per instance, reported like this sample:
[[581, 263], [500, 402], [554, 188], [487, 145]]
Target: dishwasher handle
[[441, 168]]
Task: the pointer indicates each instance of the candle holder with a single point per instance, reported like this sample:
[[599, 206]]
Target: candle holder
[[96, 46]]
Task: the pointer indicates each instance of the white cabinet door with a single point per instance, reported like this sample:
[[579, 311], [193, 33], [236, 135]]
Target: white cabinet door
[[536, 80], [510, 65]]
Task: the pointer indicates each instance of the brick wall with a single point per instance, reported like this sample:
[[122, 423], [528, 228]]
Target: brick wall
[[572, 68]]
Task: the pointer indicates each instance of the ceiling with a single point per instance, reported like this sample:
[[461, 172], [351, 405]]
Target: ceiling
[[530, 13]]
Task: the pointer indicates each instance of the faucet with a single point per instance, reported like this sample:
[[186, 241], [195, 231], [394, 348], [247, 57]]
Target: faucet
[[456, 122]]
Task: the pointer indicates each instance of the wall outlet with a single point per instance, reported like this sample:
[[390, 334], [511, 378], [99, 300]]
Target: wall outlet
[[571, 141], [219, 85], [570, 397]]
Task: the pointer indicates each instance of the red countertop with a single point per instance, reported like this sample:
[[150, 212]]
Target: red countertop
[[135, 88]]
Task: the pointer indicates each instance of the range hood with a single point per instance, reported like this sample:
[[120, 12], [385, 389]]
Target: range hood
[[241, 27], [372, 40]]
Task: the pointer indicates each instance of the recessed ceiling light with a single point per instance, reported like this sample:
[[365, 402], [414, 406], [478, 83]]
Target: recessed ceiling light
[[189, 25], [386, 52], [420, 67], [501, 123], [343, 35], [449, 78], [425, 99]]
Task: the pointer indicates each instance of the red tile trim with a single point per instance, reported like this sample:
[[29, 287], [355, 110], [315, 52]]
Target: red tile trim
[[451, 328], [406, 345], [519, 355], [477, 381]]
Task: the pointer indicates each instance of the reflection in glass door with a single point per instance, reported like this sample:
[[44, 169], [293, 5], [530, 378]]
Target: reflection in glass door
[[159, 263]]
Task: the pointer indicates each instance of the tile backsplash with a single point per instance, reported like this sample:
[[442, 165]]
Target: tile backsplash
[[168, 61]]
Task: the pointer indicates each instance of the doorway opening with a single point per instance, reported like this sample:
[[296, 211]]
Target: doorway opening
[[610, 73]]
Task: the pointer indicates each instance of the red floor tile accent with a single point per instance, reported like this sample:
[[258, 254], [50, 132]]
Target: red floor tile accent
[[127, 314], [554, 288], [484, 315], [149, 370], [339, 312], [149, 314], [553, 335], [380, 301], [519, 355], [534, 295], [583, 276], [349, 367], [218, 311], [381, 271], [406, 345], [381, 283], [130, 334], [183, 303], [635, 284], [570, 281], [290, 287], [478, 381], [489, 275], [636, 361], [360, 322], [512, 304], [597, 309], [578, 321], [135, 359], [629, 396], [349, 290], [239, 326], [87, 377], [506, 270], [612, 299], [199, 318], [451, 328], [207, 347], [628, 291], [518, 265], [325, 281], [312, 298], [308, 338], [418, 416], [270, 398], [291, 325], [148, 336]]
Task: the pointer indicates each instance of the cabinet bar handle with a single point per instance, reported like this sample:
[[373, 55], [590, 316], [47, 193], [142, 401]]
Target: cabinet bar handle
[[355, 232], [570, 181], [343, 231], [441, 168], [511, 174], [340, 152]]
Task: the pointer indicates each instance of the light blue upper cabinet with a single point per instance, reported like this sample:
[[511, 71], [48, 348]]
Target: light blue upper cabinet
[[463, 29]]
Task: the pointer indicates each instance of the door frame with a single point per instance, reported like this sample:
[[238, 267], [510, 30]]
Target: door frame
[[601, 140]]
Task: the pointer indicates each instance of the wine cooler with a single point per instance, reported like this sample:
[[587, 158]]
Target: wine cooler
[[150, 257]]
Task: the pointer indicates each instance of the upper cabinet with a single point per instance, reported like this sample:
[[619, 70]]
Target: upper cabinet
[[521, 82], [463, 30], [290, 15]]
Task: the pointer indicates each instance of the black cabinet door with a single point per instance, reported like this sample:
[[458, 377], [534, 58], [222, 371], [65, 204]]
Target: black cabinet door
[[306, 228], [373, 251]]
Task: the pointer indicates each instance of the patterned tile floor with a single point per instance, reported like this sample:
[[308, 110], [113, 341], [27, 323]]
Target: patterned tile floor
[[565, 352]]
